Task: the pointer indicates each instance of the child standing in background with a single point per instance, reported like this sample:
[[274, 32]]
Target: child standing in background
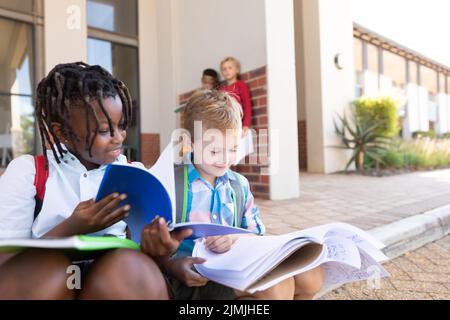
[[210, 79], [230, 69]]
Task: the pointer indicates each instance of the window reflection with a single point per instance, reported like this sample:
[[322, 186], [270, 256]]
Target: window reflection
[[113, 15], [372, 58], [448, 85], [413, 78], [441, 83], [357, 46], [16, 84], [17, 5], [122, 62], [428, 79], [394, 68]]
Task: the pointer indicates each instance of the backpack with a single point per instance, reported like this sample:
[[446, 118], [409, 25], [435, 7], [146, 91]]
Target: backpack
[[40, 180], [181, 196], [181, 191]]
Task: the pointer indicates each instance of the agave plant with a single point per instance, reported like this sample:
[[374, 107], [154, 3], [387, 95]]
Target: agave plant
[[362, 138]]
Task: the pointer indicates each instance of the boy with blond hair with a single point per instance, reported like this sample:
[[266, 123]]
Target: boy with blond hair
[[214, 122]]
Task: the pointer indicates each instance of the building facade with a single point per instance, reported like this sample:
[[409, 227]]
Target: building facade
[[304, 62]]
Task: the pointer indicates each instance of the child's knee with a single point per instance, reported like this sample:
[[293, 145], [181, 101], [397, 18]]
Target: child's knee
[[128, 262], [36, 274], [309, 283], [281, 291], [122, 274]]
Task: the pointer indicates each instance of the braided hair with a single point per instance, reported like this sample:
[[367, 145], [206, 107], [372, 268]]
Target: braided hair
[[72, 85]]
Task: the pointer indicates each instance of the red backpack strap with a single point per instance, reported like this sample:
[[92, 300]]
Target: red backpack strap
[[40, 180]]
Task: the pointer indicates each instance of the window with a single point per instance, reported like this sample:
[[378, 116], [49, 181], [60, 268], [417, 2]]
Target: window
[[117, 51], [18, 5], [357, 46], [428, 79], [394, 68], [17, 125], [122, 62], [372, 58], [441, 83], [413, 76], [359, 66], [448, 85], [116, 16]]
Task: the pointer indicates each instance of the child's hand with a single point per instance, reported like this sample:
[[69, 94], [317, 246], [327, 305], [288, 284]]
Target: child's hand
[[90, 216], [157, 241], [220, 244], [182, 269]]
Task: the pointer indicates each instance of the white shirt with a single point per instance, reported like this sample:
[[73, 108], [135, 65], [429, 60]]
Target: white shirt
[[68, 183]]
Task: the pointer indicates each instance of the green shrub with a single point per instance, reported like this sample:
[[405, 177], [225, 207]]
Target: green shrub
[[424, 134], [381, 112], [394, 159], [420, 154], [362, 138], [446, 135]]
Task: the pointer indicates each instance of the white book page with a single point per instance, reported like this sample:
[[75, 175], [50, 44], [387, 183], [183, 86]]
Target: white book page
[[163, 170], [69, 242], [337, 273], [342, 250], [245, 147], [268, 263], [356, 234], [346, 252], [239, 257], [375, 253], [259, 267], [301, 261]]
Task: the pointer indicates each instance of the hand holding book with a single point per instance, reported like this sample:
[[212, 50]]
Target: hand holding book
[[156, 240], [90, 216], [151, 193]]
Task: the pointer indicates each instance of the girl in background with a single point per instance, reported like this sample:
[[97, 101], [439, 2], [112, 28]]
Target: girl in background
[[230, 69]]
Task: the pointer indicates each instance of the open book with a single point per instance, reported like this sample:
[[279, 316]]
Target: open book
[[245, 147], [74, 243], [151, 193], [256, 263]]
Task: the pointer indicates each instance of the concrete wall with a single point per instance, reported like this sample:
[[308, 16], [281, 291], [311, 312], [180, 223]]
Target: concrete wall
[[207, 31], [423, 110], [282, 100], [178, 39], [411, 122], [443, 114], [299, 60], [65, 32], [327, 31]]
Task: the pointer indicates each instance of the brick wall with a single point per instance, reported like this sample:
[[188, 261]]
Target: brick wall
[[302, 145], [150, 147], [257, 82]]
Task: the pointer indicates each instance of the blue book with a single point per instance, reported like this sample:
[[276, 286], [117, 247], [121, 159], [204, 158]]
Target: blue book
[[148, 198]]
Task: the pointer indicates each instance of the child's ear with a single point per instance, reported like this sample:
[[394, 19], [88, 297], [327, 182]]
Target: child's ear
[[187, 144], [59, 132]]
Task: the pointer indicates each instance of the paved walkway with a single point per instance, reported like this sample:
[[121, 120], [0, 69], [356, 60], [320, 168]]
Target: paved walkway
[[420, 274], [363, 201]]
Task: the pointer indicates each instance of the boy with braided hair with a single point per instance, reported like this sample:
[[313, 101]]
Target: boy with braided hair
[[82, 112]]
